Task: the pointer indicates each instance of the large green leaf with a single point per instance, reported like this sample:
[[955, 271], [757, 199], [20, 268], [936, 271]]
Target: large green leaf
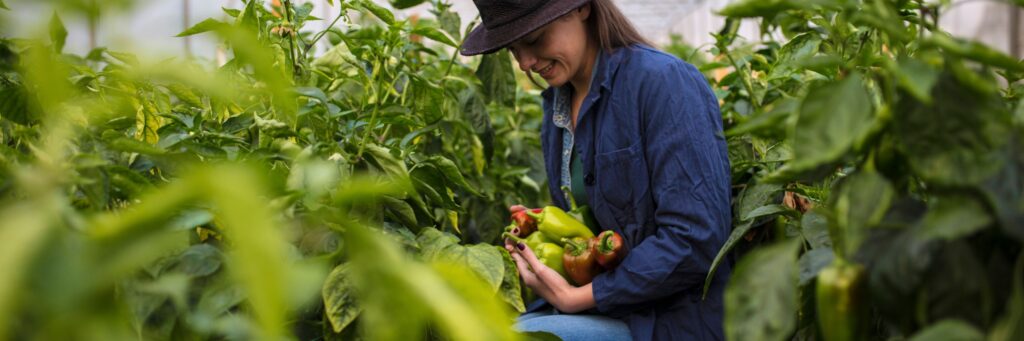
[[511, 287], [434, 34], [917, 78], [485, 260], [861, 201], [452, 173], [58, 34], [749, 200], [203, 26], [958, 140], [497, 77], [16, 105], [832, 119], [953, 217], [761, 297], [340, 303]]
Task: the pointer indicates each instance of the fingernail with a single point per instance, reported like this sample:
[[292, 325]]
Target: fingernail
[[521, 246]]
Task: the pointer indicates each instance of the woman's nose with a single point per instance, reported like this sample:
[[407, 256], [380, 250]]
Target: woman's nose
[[526, 60]]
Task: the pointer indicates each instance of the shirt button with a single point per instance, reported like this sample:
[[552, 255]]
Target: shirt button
[[589, 179]]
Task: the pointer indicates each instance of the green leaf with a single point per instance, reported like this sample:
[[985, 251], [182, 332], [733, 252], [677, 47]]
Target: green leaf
[[58, 34], [339, 297], [757, 8], [1011, 327], [832, 119], [750, 199], [400, 210], [231, 12], [811, 262], [16, 105], [451, 173], [3, 5], [761, 297], [814, 228], [433, 242], [435, 34], [498, 79], [200, 260], [768, 210], [186, 95], [861, 201], [485, 260], [380, 12], [957, 140], [475, 112], [949, 330], [403, 4], [382, 158], [917, 78], [953, 217], [203, 26], [511, 290], [975, 51]]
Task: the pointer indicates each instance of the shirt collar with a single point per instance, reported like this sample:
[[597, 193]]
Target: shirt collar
[[605, 67]]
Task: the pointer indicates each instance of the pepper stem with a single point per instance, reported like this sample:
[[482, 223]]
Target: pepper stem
[[604, 245], [539, 217], [513, 237], [568, 196], [574, 246]]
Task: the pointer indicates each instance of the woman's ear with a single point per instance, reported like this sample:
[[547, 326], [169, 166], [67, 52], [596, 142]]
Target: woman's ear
[[584, 11]]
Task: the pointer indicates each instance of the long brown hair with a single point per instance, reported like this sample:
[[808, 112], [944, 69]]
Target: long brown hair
[[610, 28]]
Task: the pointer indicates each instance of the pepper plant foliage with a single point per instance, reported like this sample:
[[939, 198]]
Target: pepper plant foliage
[[283, 194], [860, 132]]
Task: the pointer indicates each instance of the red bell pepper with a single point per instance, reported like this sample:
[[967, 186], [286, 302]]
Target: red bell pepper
[[610, 249], [580, 260]]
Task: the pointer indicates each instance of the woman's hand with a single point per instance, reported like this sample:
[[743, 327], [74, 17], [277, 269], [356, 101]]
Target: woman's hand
[[547, 283]]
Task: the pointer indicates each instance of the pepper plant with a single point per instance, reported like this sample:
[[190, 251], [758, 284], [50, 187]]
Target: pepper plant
[[287, 193], [876, 162]]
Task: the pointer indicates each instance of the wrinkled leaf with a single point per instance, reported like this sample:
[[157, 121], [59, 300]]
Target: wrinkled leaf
[[762, 294], [340, 303]]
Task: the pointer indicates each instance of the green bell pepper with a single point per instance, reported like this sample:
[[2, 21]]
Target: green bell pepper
[[839, 301], [556, 224]]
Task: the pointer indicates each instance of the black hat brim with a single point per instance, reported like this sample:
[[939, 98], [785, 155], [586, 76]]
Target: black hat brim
[[483, 40]]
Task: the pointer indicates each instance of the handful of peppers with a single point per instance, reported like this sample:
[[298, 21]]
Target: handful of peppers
[[564, 244]]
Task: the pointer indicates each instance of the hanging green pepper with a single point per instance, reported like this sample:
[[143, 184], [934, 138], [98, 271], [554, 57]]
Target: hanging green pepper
[[839, 300], [556, 224], [580, 260]]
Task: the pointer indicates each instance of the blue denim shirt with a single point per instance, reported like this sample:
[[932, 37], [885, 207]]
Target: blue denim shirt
[[561, 117], [649, 137]]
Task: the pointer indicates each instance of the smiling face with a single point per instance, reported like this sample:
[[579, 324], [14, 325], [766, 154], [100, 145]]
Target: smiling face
[[558, 51]]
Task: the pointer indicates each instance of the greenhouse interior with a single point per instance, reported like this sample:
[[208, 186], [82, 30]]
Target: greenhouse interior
[[802, 170]]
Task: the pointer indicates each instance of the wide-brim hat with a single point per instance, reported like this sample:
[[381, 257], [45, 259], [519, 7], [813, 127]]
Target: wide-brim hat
[[505, 21]]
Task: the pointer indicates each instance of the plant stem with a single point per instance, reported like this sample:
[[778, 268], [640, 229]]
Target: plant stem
[[291, 38], [317, 37]]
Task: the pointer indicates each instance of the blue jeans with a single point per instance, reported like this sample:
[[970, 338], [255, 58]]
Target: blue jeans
[[573, 327]]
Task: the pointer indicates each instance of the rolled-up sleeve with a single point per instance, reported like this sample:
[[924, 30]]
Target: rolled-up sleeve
[[689, 177]]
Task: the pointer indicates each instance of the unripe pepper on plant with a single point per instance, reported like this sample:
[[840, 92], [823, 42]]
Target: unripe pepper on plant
[[610, 249], [580, 260], [839, 300], [556, 224]]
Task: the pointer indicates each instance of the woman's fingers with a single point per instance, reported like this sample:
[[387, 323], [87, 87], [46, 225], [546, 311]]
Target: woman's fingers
[[516, 208], [529, 278], [531, 259]]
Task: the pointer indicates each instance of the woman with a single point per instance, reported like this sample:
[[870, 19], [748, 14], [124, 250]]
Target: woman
[[636, 134]]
